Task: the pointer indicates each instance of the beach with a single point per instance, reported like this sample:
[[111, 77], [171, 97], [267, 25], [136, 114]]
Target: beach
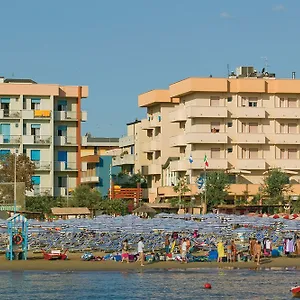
[[36, 262]]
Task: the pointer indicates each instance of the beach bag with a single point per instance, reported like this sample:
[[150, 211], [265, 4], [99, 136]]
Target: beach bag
[[107, 257], [87, 256], [131, 257], [117, 258]]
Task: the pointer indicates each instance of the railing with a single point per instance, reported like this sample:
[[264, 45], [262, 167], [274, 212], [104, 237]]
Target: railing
[[42, 165], [42, 139], [42, 113], [40, 191], [6, 113], [65, 140], [11, 139], [65, 166]]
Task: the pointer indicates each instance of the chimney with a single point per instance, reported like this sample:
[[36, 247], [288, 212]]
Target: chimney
[[293, 75]]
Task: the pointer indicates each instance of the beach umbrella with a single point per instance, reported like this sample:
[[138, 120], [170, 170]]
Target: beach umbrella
[[275, 216], [286, 217]]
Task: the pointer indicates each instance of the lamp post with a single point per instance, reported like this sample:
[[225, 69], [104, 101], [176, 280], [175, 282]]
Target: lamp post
[[15, 182]]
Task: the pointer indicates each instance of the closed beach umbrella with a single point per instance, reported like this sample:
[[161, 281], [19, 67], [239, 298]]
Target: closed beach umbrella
[[275, 216]]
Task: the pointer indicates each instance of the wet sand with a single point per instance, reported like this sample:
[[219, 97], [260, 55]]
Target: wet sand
[[36, 262]]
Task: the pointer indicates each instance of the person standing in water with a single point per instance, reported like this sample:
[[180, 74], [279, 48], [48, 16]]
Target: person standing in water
[[125, 255]]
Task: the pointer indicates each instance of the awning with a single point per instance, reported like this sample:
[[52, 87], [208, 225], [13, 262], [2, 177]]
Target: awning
[[237, 171]]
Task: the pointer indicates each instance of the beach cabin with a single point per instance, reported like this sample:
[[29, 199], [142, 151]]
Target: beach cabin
[[67, 213]]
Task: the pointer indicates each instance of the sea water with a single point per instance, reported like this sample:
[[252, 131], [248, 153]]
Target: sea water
[[149, 284]]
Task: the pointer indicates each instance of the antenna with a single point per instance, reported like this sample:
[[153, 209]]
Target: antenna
[[266, 63], [228, 72]]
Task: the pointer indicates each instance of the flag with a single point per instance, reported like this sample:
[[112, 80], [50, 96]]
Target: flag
[[205, 161], [190, 159]]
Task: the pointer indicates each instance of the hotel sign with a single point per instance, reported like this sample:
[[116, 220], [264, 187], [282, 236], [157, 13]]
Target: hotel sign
[[8, 207]]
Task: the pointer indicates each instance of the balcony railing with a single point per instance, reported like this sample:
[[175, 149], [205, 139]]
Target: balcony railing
[[10, 139], [42, 165], [127, 159], [11, 114], [90, 179], [65, 166], [65, 140], [39, 191], [41, 139], [36, 114]]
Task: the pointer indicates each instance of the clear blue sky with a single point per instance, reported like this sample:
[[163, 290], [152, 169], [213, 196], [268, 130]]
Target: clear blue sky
[[121, 48]]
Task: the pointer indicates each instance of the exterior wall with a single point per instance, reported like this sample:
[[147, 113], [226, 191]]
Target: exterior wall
[[34, 117], [243, 125]]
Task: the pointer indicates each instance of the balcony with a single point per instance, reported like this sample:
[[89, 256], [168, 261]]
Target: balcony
[[127, 159], [65, 141], [42, 165], [36, 114], [251, 164], [206, 112], [177, 140], [284, 113], [284, 138], [155, 145], [65, 166], [90, 179], [10, 114], [36, 139], [177, 115], [65, 115], [248, 112], [214, 164], [250, 138], [152, 123], [179, 165], [39, 191], [206, 138], [126, 141], [152, 169], [285, 164], [83, 116], [10, 139], [168, 191]]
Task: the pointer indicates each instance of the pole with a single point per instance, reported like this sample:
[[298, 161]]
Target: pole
[[68, 190], [110, 183], [15, 183]]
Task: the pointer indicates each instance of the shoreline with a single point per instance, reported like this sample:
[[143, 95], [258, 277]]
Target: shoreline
[[36, 262]]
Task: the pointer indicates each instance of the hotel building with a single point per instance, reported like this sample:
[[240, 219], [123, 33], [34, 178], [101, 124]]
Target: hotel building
[[43, 121], [245, 124]]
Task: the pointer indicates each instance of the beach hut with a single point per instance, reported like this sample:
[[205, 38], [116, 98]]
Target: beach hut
[[145, 210], [17, 227], [71, 212]]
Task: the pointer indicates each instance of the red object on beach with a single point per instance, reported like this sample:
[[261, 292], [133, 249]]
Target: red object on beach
[[55, 255], [287, 217], [207, 286], [276, 216], [296, 291]]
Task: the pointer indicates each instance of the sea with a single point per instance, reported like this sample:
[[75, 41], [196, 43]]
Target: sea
[[150, 284]]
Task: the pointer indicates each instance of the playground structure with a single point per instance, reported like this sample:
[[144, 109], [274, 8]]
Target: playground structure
[[17, 229]]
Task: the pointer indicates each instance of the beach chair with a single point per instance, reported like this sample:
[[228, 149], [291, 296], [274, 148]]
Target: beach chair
[[55, 254]]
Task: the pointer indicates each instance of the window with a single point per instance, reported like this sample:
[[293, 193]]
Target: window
[[3, 153], [281, 102], [35, 103], [229, 99], [36, 129], [292, 102], [229, 150], [253, 101], [244, 128], [62, 181], [244, 153], [292, 128], [36, 180], [62, 130], [215, 153], [182, 150], [253, 127], [282, 154], [35, 155], [232, 179], [95, 150], [62, 105], [215, 127], [244, 101], [229, 124], [292, 153], [182, 125], [253, 153], [282, 128], [214, 101], [24, 103]]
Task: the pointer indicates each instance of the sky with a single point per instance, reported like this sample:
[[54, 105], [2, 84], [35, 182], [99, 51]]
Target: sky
[[122, 48]]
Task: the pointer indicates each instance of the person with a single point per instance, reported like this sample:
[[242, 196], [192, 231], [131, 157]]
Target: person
[[298, 246], [188, 245], [220, 250], [167, 244], [141, 251], [229, 252], [184, 250], [267, 247], [125, 254], [257, 252], [252, 242], [234, 250]]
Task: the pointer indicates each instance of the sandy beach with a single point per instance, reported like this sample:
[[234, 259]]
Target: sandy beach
[[36, 262]]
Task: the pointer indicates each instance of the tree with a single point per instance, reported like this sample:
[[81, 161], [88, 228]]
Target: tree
[[181, 188], [44, 204], [84, 196], [275, 184], [216, 185], [114, 206], [25, 170], [130, 181]]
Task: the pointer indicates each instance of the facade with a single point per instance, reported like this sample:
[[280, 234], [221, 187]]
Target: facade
[[131, 157], [43, 121], [97, 156], [245, 124]]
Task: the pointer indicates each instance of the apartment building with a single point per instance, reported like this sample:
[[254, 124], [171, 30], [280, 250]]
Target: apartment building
[[131, 158], [97, 159], [245, 124], [43, 121]]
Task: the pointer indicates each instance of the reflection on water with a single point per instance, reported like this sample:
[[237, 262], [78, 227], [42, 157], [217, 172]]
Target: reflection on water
[[152, 284]]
